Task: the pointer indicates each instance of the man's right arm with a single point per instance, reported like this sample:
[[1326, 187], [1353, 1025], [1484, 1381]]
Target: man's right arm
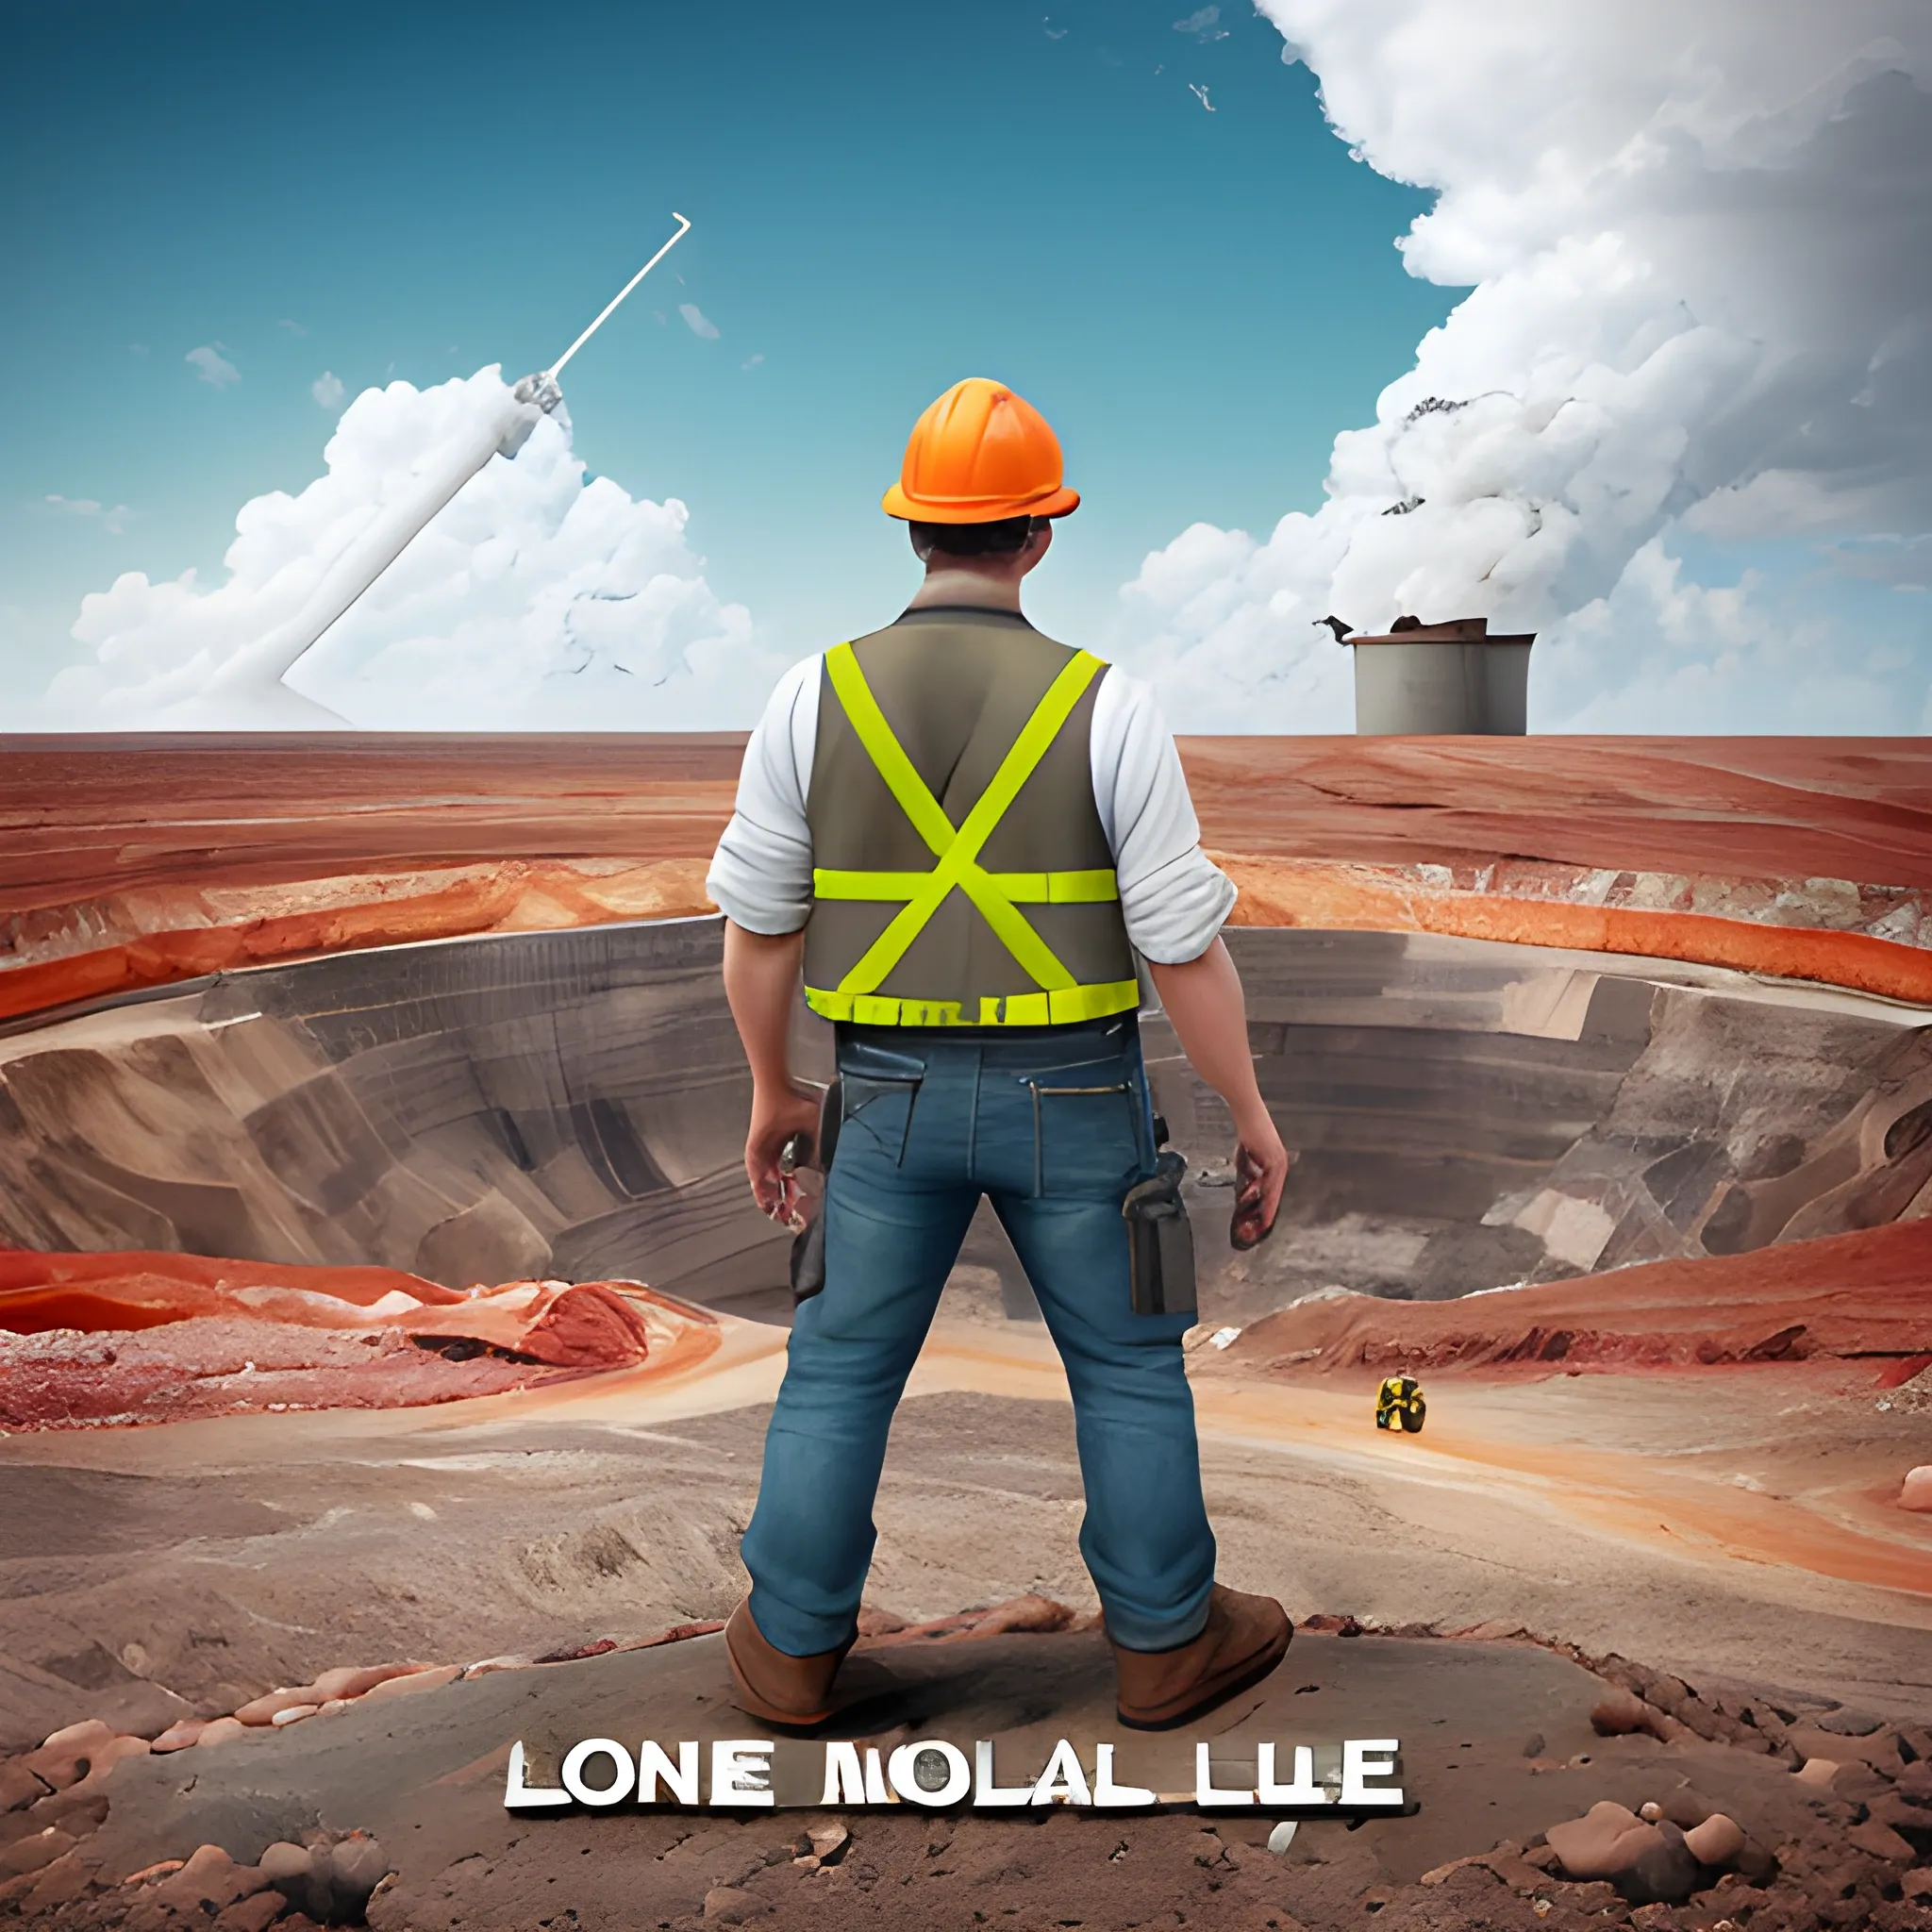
[[761, 877]]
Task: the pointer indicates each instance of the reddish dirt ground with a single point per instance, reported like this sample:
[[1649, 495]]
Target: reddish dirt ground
[[124, 858], [1848, 1296], [87, 1341]]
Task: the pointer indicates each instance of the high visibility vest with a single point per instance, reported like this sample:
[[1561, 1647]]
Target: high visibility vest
[[961, 873]]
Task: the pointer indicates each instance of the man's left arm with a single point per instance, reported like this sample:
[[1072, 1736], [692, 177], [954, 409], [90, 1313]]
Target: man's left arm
[[1174, 900]]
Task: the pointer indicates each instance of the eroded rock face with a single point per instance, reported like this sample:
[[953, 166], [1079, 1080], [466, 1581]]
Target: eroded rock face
[[1466, 1115], [1836, 931], [124, 941], [572, 1105], [87, 1339], [1473, 1103], [1737, 852], [564, 1105], [1856, 1296]]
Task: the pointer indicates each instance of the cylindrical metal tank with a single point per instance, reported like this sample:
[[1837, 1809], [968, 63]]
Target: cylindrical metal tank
[[1442, 680]]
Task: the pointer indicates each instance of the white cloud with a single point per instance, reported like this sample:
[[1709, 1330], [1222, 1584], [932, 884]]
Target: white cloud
[[113, 520], [1699, 658], [294, 328], [1198, 22], [212, 366], [700, 323], [752, 361], [1701, 296], [534, 601], [327, 389]]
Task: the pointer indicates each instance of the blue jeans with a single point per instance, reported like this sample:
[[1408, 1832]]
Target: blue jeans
[[1054, 1126]]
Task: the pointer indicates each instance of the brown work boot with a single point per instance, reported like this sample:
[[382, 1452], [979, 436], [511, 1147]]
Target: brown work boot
[[779, 1688], [1245, 1637]]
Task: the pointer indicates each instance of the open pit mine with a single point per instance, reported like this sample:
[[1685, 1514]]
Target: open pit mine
[[387, 1333]]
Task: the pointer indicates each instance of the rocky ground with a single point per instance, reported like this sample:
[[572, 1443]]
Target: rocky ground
[[154, 1580], [1708, 1809]]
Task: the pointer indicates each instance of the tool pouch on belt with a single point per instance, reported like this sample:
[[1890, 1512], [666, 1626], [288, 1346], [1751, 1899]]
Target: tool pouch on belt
[[809, 1243], [1161, 1243]]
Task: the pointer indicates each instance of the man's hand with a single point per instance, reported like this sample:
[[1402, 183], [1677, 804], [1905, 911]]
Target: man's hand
[[775, 1116], [1205, 1006], [1261, 1168]]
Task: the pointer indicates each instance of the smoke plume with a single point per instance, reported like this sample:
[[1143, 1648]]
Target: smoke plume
[[535, 600], [1700, 237]]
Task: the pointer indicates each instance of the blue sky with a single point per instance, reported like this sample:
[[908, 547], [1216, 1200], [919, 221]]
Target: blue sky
[[885, 198], [1659, 386]]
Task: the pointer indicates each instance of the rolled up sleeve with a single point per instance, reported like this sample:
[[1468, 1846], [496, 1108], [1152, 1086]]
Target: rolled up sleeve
[[760, 875], [1174, 898]]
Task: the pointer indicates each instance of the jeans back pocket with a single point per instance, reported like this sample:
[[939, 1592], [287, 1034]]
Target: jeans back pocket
[[1091, 1123], [877, 1090]]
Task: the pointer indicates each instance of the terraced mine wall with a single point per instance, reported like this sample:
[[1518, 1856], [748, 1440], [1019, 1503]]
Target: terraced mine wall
[[1526, 1008], [572, 1104]]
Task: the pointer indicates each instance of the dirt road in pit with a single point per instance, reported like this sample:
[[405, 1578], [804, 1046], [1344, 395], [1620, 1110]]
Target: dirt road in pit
[[1724, 1474], [220, 1557]]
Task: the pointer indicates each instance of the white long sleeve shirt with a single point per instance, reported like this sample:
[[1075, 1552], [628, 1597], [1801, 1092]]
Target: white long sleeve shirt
[[1173, 897]]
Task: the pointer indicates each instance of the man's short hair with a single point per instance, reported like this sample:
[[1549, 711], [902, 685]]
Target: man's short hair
[[1003, 538]]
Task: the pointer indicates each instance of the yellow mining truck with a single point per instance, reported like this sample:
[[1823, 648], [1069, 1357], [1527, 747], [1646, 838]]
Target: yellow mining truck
[[1399, 1405]]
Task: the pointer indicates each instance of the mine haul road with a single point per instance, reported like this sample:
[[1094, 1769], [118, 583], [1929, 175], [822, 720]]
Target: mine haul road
[[1751, 1537]]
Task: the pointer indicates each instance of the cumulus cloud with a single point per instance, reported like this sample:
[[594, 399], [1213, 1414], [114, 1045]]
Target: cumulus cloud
[[698, 322], [534, 601], [327, 389], [212, 366], [1697, 657], [1698, 239]]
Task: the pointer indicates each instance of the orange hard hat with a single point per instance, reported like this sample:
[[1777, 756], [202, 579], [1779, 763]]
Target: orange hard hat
[[977, 455]]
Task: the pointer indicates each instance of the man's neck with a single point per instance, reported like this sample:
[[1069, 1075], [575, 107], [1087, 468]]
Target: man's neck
[[955, 584]]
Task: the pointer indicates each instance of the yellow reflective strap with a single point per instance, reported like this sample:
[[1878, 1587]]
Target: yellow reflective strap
[[957, 860], [1035, 739], [1023, 888], [1054, 1008], [1019, 936], [894, 767], [827, 884], [1023, 1009], [1056, 888], [1083, 887], [911, 920], [1095, 1002]]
